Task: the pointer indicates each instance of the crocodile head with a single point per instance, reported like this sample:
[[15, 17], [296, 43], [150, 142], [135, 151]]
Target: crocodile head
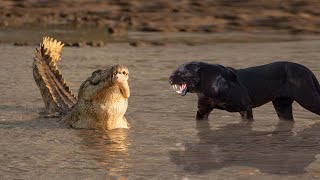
[[115, 75], [120, 74]]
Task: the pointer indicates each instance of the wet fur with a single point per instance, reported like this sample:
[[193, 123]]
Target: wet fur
[[240, 90]]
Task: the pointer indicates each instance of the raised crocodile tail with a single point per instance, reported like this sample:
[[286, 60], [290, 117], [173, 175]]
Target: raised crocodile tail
[[55, 92]]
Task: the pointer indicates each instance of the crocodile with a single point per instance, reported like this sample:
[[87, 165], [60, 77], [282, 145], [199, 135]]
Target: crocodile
[[102, 98]]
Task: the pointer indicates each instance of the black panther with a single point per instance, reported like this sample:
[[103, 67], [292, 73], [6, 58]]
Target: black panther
[[240, 90]]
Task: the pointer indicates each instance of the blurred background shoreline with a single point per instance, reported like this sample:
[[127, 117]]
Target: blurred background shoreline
[[141, 22]]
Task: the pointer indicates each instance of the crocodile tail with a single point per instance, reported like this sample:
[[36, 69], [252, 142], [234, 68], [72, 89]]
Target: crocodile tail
[[55, 92]]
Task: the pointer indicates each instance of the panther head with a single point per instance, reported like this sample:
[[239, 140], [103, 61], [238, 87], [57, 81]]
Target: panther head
[[185, 78]]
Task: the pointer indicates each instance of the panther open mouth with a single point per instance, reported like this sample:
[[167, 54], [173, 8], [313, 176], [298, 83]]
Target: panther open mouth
[[181, 89]]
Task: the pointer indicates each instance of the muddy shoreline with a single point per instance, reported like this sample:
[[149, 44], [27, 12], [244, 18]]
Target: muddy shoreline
[[166, 16], [96, 38], [96, 23]]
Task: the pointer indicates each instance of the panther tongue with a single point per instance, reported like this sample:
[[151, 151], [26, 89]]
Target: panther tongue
[[179, 88], [182, 86]]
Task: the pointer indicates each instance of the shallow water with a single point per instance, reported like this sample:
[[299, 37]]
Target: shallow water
[[165, 140]]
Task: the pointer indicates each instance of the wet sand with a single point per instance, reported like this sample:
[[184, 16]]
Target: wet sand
[[165, 141]]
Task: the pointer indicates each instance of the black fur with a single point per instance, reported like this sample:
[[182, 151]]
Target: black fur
[[240, 90]]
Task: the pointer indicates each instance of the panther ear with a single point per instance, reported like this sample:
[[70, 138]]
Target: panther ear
[[196, 66], [190, 70]]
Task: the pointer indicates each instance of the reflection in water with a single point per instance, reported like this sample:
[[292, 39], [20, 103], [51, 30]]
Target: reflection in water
[[278, 152], [36, 147], [110, 148]]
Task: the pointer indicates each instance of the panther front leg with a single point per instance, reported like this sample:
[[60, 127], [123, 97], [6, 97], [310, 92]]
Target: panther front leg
[[205, 106], [247, 115]]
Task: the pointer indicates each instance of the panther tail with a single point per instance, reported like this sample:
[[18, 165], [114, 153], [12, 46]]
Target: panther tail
[[55, 92]]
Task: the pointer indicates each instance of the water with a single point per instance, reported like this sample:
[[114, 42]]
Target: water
[[165, 141]]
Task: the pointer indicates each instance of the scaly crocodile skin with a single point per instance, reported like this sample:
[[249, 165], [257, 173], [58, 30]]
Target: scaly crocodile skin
[[102, 98]]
